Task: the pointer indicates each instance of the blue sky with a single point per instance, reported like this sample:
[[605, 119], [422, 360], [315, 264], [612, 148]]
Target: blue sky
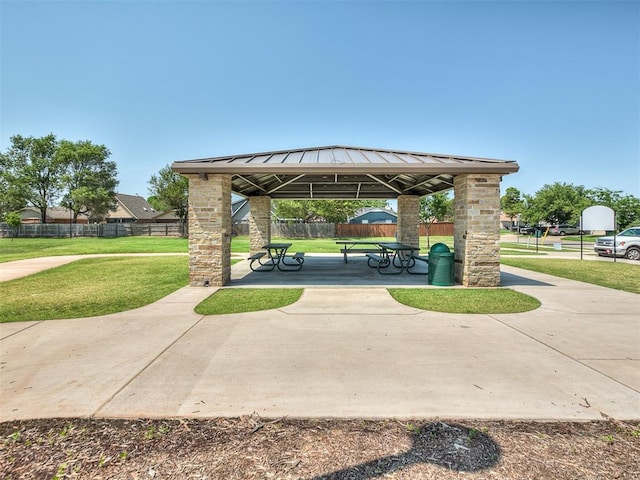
[[553, 85]]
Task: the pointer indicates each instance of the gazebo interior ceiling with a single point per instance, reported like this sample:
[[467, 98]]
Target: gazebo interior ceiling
[[339, 172], [339, 186]]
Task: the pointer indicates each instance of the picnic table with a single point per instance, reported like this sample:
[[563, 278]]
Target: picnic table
[[403, 258], [276, 257], [351, 246]]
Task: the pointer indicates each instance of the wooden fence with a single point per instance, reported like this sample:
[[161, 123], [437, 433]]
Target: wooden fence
[[343, 230], [288, 230], [389, 229], [293, 230], [60, 230]]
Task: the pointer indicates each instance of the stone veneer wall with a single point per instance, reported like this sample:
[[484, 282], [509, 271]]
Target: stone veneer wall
[[477, 230], [209, 230], [408, 220], [259, 223]]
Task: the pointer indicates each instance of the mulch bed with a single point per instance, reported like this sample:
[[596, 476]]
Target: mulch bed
[[255, 448]]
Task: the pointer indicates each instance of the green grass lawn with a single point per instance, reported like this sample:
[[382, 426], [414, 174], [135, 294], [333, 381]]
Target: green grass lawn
[[469, 300], [618, 275], [106, 285], [93, 286], [21, 248], [240, 300], [513, 251]]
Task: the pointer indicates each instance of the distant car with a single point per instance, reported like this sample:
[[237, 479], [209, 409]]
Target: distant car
[[627, 244], [563, 229], [527, 230]]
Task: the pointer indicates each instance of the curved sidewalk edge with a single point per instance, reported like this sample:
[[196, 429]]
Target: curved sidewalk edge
[[575, 358]]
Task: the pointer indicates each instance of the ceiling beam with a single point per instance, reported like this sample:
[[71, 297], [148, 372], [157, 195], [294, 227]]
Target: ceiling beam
[[250, 182], [282, 185], [386, 184]]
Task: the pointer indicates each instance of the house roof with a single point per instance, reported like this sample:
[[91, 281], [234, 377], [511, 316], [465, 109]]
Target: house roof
[[367, 210], [137, 206], [342, 172], [53, 213]]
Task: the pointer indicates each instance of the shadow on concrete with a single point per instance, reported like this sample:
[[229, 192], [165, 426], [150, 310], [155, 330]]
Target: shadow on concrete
[[451, 446], [328, 270], [510, 279]]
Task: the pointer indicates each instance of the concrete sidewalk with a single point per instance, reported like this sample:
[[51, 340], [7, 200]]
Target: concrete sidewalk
[[338, 352]]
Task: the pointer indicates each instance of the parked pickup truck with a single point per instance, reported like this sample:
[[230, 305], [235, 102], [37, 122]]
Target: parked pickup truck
[[627, 244]]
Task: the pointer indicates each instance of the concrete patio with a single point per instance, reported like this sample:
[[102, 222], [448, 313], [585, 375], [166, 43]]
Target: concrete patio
[[341, 351]]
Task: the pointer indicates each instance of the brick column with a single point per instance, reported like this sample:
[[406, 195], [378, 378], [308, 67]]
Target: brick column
[[477, 230], [408, 220], [209, 230], [259, 223]]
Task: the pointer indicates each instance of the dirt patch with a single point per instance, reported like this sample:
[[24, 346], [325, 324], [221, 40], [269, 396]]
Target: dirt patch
[[256, 448]]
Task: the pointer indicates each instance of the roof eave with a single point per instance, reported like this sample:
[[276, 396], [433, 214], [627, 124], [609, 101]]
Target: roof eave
[[191, 167]]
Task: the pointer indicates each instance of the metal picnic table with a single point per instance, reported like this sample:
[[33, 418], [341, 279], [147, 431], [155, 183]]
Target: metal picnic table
[[276, 254], [403, 258]]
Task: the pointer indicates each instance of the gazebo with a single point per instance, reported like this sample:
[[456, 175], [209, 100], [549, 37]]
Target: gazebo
[[340, 172]]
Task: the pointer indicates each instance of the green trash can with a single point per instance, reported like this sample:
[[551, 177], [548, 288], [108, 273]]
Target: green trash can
[[440, 266]]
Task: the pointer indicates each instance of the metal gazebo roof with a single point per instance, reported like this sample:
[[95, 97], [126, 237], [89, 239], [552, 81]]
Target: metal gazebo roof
[[339, 172]]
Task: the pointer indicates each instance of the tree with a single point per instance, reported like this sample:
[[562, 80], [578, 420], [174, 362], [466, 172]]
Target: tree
[[158, 204], [332, 211], [296, 210], [627, 211], [171, 189], [511, 203], [90, 180], [339, 211], [557, 203], [14, 221], [34, 170], [436, 207], [627, 207], [12, 195]]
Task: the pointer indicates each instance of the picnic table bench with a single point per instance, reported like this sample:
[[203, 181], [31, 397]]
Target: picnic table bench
[[277, 257], [358, 247], [402, 259]]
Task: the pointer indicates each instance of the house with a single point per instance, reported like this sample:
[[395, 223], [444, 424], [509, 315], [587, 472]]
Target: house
[[54, 215], [166, 217], [375, 215], [131, 209]]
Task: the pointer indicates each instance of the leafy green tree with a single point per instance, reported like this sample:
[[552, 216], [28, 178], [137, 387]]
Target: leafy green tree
[[171, 189], [35, 171], [627, 207], [557, 203], [12, 195], [293, 210], [14, 221], [339, 211], [437, 207], [627, 211], [511, 203], [158, 204], [331, 211], [90, 180]]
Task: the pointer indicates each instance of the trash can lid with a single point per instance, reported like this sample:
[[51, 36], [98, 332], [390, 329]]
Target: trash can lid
[[439, 248]]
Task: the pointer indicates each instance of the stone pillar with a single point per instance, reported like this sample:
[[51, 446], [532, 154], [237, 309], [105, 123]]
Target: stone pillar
[[259, 223], [408, 220], [209, 230], [477, 230]]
